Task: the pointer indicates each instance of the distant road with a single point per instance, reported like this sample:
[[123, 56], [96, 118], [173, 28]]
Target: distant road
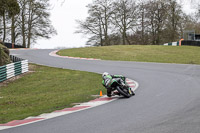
[[167, 101]]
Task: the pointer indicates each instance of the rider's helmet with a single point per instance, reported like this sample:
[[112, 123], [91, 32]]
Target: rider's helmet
[[104, 74]]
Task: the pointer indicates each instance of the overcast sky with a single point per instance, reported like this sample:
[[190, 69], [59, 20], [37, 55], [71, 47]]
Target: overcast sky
[[63, 18]]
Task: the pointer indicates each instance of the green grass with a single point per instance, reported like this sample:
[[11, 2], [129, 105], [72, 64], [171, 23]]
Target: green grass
[[46, 90], [140, 53]]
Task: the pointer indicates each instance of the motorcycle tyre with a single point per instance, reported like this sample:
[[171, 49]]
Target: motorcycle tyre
[[127, 95]]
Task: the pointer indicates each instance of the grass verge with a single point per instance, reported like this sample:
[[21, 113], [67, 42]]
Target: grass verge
[[45, 90], [141, 53]]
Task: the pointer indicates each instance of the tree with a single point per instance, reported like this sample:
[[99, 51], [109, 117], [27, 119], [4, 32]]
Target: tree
[[8, 8], [98, 21], [174, 17], [141, 35], [124, 18], [29, 20], [14, 9], [92, 26], [156, 17], [131, 22], [34, 21], [198, 13], [3, 10], [22, 21], [39, 24]]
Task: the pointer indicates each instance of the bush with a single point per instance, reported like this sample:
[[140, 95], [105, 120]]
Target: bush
[[4, 55]]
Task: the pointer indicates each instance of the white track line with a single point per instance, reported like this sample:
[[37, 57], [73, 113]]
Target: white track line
[[53, 53]]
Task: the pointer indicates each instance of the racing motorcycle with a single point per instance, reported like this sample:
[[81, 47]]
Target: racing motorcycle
[[122, 88]]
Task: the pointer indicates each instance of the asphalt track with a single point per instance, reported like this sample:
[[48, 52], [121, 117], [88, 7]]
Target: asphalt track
[[167, 100]]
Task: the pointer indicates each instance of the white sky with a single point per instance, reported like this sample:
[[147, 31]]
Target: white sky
[[63, 18]]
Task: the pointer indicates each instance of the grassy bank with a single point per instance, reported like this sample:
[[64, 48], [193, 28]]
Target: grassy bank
[[141, 53], [45, 90]]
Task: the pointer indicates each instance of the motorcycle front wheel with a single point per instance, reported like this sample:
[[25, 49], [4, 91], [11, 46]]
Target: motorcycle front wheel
[[124, 92]]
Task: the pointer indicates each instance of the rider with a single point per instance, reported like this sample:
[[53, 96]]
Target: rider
[[108, 80]]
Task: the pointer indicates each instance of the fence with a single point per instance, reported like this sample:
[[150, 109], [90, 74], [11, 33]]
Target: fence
[[15, 59], [183, 42], [191, 43], [172, 44], [11, 70], [10, 45]]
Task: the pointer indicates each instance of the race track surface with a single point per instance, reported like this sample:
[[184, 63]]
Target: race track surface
[[167, 100]]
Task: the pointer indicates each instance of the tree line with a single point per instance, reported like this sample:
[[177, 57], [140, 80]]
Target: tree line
[[132, 22], [22, 22]]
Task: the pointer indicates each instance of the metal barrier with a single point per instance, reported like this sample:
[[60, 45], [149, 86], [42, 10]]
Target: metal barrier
[[15, 59], [11, 70], [191, 43], [184, 42]]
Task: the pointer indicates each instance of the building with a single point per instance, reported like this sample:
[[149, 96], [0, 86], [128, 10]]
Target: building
[[191, 35]]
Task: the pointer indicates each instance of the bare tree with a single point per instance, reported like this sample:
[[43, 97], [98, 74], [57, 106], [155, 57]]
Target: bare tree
[[124, 17], [156, 18], [98, 21], [131, 22], [39, 24], [25, 21], [8, 9], [22, 20], [198, 13], [174, 17], [141, 34], [92, 26], [34, 21]]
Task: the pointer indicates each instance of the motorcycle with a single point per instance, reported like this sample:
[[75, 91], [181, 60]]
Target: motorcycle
[[122, 88]]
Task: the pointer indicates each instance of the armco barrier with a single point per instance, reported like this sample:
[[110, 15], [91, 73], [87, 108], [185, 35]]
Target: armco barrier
[[18, 67]]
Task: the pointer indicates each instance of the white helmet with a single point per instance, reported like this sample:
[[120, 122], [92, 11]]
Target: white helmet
[[105, 74]]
